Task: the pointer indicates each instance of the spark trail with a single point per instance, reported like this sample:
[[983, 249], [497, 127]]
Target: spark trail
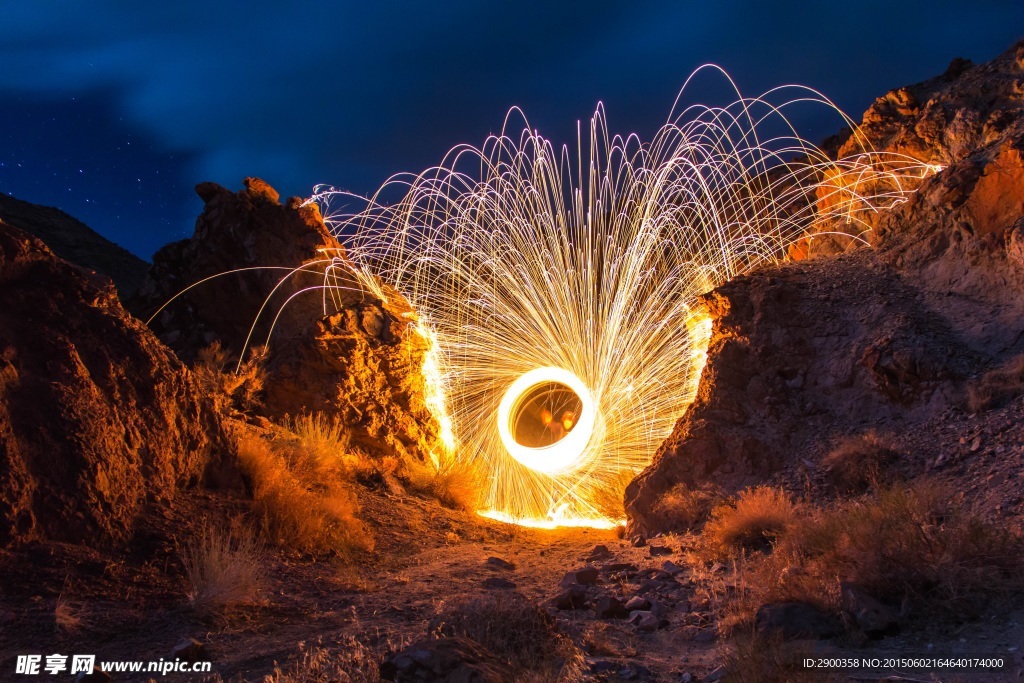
[[562, 286]]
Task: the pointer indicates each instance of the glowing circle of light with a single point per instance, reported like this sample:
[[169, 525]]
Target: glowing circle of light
[[565, 454]]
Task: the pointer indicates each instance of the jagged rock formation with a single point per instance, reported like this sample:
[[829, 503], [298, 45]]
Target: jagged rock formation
[[881, 338], [345, 351], [97, 417], [76, 242]]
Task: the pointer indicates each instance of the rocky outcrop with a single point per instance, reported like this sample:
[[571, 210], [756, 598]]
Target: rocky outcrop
[[879, 338], [76, 242], [278, 276], [97, 417]]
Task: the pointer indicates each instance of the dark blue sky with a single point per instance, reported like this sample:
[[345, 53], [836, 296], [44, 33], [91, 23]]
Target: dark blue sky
[[113, 110]]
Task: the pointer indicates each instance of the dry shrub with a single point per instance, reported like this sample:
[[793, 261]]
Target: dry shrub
[[300, 506], [70, 617], [997, 387], [517, 631], [751, 521], [911, 544], [907, 546], [859, 462], [352, 662], [683, 508], [224, 568], [231, 385], [454, 482]]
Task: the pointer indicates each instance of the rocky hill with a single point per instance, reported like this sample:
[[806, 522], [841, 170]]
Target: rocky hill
[[76, 242]]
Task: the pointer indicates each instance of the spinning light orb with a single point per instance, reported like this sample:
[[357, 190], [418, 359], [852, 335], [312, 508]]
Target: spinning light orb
[[546, 420], [561, 288]]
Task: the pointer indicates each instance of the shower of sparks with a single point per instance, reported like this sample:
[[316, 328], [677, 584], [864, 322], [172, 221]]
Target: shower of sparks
[[589, 264]]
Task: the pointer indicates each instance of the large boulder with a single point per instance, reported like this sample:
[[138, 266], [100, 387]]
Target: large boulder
[[277, 276], [96, 415], [806, 352]]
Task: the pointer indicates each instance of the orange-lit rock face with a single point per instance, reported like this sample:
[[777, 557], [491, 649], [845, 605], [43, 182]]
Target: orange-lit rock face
[[354, 351], [96, 415], [997, 199]]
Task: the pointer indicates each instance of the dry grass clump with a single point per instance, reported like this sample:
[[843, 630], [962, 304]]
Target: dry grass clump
[[301, 505], [70, 617], [515, 630], [751, 521], [907, 546], [352, 662], [683, 508], [860, 462], [224, 568], [910, 545], [239, 388], [453, 482], [997, 387]]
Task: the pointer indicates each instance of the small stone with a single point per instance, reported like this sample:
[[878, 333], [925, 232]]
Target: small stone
[[644, 621], [638, 603], [638, 541], [875, 619], [587, 576], [499, 563], [672, 568], [616, 567], [498, 582], [573, 598], [659, 550], [686, 677], [600, 552], [976, 444], [610, 607]]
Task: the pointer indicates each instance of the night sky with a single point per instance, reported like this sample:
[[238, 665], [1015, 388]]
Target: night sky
[[113, 110]]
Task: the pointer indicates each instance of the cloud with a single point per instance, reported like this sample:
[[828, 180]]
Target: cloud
[[350, 93]]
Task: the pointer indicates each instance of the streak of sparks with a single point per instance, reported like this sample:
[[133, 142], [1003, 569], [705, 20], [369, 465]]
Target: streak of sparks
[[518, 256]]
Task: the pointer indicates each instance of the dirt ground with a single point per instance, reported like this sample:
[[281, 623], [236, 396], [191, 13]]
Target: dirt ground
[[68, 599]]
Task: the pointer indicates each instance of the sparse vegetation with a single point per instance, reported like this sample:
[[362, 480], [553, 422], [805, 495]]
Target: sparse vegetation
[[997, 387], [299, 504], [239, 388], [860, 462], [453, 482], [911, 544], [68, 616], [683, 508], [352, 662], [751, 521], [906, 545], [519, 632], [224, 568]]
